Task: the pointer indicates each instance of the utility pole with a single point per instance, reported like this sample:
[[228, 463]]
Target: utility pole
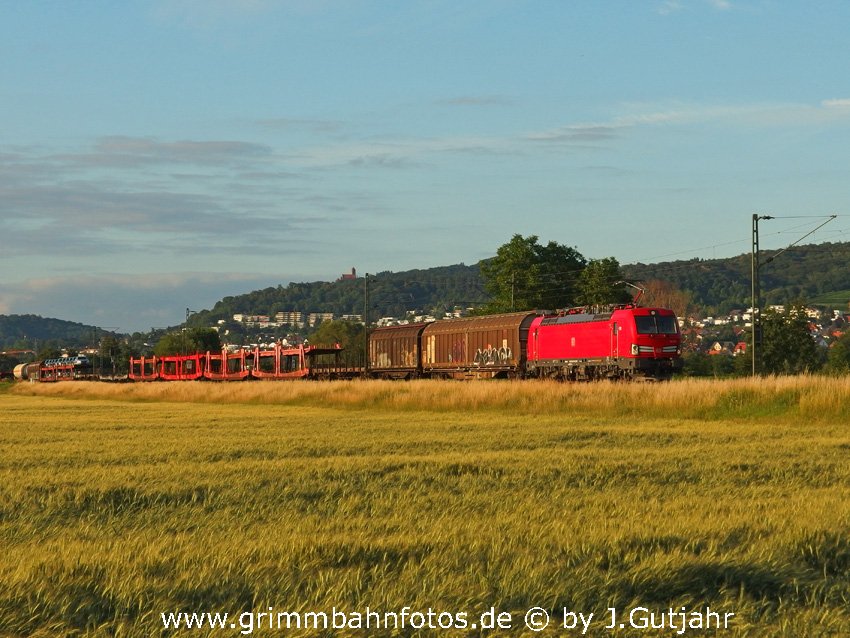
[[100, 348], [184, 341], [366, 323], [756, 291]]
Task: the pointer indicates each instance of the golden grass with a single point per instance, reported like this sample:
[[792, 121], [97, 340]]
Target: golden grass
[[119, 502], [810, 397]]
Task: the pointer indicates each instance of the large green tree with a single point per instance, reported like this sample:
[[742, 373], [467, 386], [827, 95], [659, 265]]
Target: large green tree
[[601, 282], [787, 346], [525, 275]]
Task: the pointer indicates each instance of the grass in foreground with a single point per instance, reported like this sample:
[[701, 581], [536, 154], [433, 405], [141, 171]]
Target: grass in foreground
[[122, 502]]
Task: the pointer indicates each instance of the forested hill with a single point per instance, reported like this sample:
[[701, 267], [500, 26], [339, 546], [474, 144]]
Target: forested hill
[[31, 331], [390, 294], [814, 274]]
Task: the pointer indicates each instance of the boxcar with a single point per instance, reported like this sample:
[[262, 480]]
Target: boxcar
[[486, 347], [394, 351]]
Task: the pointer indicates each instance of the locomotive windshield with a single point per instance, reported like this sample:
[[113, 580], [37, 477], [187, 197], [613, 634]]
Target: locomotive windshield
[[655, 324]]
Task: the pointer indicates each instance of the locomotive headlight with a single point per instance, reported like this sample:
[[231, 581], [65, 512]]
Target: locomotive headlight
[[635, 349]]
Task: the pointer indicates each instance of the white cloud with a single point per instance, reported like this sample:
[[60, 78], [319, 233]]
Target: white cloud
[[758, 114], [669, 6], [477, 100], [720, 5], [674, 6], [839, 103]]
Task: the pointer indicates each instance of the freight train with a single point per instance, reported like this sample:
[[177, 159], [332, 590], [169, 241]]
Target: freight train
[[616, 342], [619, 342]]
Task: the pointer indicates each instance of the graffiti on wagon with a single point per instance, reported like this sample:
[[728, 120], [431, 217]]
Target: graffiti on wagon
[[491, 356]]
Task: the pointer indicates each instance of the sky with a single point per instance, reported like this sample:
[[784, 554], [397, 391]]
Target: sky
[[160, 155]]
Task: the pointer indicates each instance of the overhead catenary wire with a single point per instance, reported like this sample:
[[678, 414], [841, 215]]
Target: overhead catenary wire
[[744, 242]]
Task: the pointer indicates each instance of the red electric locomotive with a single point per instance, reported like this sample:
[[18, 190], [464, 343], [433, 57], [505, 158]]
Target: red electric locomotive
[[621, 343]]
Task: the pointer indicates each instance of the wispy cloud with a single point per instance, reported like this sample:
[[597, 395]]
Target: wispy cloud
[[383, 160], [300, 124], [668, 7], [720, 5], [56, 204], [145, 196], [477, 100], [760, 114], [839, 103], [136, 151], [394, 151]]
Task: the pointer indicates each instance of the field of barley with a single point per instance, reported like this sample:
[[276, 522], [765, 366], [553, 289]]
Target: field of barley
[[120, 503]]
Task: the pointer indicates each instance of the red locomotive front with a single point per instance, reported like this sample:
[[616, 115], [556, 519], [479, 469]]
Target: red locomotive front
[[624, 342]]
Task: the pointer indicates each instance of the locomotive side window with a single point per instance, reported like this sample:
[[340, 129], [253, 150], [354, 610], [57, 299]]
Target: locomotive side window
[[655, 324]]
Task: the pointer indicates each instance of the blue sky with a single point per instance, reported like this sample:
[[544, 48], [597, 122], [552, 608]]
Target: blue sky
[[163, 154]]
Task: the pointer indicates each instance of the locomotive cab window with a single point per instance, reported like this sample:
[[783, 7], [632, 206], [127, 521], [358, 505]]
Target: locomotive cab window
[[655, 324]]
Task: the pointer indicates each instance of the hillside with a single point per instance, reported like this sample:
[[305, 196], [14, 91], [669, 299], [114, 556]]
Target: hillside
[[814, 274], [29, 331], [390, 294]]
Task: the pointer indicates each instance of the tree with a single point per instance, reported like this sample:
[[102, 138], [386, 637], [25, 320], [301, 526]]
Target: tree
[[525, 275], [346, 333], [838, 357], [663, 294], [188, 341], [113, 356], [787, 346], [696, 364], [601, 283]]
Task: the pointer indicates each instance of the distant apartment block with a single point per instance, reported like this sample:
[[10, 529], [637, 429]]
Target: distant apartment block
[[294, 318], [290, 317], [319, 317], [252, 320]]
